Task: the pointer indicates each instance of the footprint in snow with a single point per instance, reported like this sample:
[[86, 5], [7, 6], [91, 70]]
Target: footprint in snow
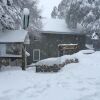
[[5, 98], [7, 91], [93, 96]]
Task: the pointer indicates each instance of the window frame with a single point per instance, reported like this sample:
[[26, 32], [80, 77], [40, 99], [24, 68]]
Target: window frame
[[35, 50], [36, 38]]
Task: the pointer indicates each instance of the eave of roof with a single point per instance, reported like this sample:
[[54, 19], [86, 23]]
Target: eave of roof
[[65, 33], [59, 26], [13, 36]]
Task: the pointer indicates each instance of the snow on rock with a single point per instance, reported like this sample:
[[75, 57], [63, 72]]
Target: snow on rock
[[87, 51], [89, 46], [79, 81]]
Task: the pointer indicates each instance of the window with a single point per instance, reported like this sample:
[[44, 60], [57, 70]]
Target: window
[[36, 38], [14, 49], [0, 52], [2, 49], [36, 54], [8, 3]]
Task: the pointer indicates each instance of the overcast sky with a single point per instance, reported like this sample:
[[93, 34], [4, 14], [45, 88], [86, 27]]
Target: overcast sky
[[47, 6]]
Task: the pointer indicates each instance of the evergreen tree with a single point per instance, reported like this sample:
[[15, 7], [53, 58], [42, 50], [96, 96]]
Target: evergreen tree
[[11, 12], [9, 15], [54, 12], [85, 12]]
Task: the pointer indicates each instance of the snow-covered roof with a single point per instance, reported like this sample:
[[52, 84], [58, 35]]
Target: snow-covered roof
[[13, 36], [58, 26]]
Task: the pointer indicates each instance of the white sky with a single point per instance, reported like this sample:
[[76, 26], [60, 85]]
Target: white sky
[[47, 6]]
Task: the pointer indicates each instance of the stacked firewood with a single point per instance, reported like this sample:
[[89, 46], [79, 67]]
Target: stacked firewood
[[4, 62], [55, 67], [68, 61], [71, 61], [46, 68]]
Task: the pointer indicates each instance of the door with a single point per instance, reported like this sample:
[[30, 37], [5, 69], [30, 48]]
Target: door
[[36, 54]]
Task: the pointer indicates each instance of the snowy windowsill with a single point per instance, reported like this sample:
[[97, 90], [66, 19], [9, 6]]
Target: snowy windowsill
[[10, 55]]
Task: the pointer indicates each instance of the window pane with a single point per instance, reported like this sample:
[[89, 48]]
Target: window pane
[[14, 49]]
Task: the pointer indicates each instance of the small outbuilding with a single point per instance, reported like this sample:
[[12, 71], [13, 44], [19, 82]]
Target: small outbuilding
[[13, 47]]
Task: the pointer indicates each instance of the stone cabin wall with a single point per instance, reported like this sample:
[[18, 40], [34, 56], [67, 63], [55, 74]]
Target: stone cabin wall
[[48, 44]]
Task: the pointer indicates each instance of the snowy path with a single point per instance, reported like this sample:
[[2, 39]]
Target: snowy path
[[74, 82]]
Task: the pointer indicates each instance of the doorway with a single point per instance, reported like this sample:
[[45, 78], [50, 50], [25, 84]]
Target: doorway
[[36, 54]]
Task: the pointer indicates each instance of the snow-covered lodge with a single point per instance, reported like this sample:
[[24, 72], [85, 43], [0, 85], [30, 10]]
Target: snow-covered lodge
[[56, 40], [12, 46]]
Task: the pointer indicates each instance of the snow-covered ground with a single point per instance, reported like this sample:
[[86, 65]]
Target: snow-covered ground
[[79, 81]]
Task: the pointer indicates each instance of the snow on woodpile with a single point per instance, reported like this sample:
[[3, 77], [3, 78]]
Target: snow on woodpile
[[49, 62], [57, 60], [58, 26], [63, 59], [54, 64]]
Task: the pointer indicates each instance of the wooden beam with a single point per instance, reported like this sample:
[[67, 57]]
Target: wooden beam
[[11, 42], [24, 62]]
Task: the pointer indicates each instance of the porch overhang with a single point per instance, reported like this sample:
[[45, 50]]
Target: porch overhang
[[13, 36]]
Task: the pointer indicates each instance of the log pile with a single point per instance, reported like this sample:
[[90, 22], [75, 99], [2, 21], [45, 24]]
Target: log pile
[[46, 68], [55, 67]]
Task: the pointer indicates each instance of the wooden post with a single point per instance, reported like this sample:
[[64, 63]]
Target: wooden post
[[24, 57]]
